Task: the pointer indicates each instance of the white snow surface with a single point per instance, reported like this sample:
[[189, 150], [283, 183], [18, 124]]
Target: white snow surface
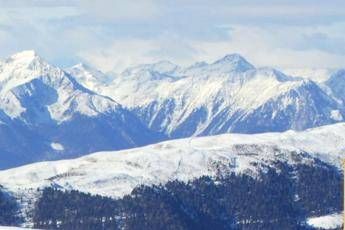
[[89, 76], [26, 75], [336, 115], [191, 93], [167, 96], [57, 146], [116, 173], [201, 88], [326, 222]]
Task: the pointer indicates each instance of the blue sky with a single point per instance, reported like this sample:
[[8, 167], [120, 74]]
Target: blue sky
[[112, 34]]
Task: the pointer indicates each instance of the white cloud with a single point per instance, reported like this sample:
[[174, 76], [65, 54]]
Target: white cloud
[[115, 34], [119, 55], [282, 47], [276, 8], [123, 53], [121, 10], [272, 46]]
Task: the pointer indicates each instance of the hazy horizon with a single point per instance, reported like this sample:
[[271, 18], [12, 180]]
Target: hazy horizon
[[113, 35]]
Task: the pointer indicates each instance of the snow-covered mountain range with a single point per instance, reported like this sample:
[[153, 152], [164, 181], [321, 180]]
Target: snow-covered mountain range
[[117, 173], [45, 114], [229, 95], [48, 113]]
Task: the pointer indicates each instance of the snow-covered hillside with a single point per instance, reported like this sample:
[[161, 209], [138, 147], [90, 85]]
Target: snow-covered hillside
[[229, 95], [41, 106], [117, 173]]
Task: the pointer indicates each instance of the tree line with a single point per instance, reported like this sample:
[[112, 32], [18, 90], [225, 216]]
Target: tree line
[[8, 209], [282, 197]]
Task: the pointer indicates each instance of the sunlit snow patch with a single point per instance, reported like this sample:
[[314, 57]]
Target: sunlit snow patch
[[57, 146], [326, 222], [336, 115]]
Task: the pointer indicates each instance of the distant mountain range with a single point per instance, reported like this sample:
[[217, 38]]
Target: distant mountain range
[[47, 113], [229, 95]]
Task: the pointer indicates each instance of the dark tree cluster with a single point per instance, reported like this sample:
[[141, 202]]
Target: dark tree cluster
[[281, 198], [8, 209], [74, 210], [319, 189]]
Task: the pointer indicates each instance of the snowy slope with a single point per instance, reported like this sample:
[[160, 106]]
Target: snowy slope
[[88, 76], [41, 106], [229, 95], [336, 83], [331, 81], [26, 79], [117, 173]]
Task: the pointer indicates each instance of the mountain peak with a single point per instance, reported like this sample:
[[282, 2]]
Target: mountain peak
[[230, 57], [25, 56], [83, 66], [234, 62], [27, 59], [23, 67], [88, 75]]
